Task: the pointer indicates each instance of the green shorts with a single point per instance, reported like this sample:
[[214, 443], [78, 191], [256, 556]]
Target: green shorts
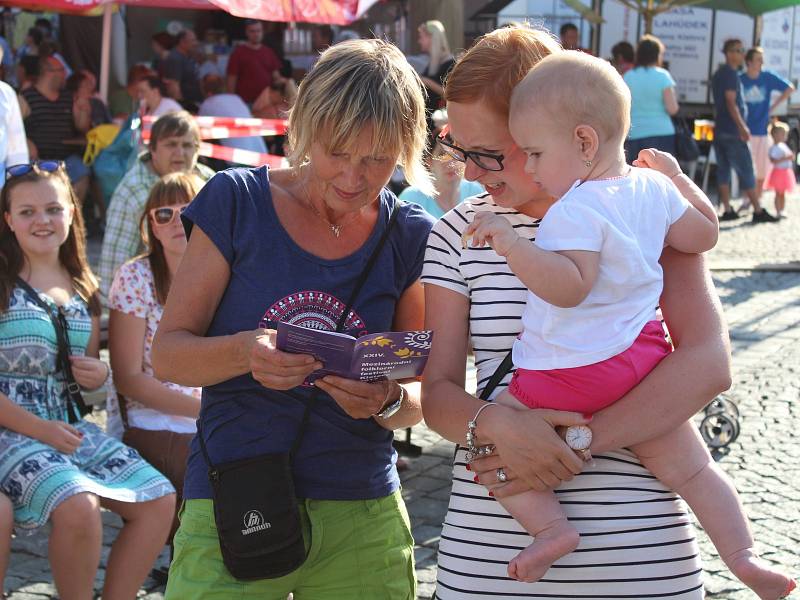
[[357, 549]]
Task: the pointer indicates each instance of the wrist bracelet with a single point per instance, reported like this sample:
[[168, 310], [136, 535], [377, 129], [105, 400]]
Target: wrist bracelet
[[676, 174], [474, 451]]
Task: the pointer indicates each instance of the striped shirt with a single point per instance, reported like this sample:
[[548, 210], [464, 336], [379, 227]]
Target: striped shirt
[[636, 537], [50, 123]]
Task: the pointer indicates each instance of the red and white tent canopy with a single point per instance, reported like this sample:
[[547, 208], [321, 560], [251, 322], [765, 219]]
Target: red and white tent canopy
[[335, 12]]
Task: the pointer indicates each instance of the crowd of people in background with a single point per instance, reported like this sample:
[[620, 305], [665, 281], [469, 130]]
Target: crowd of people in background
[[744, 103], [137, 467]]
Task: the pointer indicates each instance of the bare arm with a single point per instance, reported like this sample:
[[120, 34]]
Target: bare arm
[[261, 103], [563, 279], [409, 316], [730, 103], [698, 229], [693, 232], [173, 88], [180, 343], [670, 101], [126, 346], [231, 83], [290, 90], [433, 85], [93, 346], [82, 115], [16, 418], [784, 95], [696, 197], [446, 405], [690, 377]]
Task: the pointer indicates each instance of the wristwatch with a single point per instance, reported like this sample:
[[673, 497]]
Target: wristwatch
[[391, 409], [579, 438]]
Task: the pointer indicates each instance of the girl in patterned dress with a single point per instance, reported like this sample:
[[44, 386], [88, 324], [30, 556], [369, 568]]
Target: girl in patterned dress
[[51, 469]]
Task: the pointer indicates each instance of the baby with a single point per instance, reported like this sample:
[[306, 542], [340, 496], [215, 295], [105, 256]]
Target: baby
[[590, 331]]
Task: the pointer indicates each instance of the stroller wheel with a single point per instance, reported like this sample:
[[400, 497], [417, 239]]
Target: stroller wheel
[[719, 430], [721, 404]]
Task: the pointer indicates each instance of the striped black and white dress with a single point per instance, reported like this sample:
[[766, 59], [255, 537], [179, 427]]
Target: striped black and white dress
[[636, 537]]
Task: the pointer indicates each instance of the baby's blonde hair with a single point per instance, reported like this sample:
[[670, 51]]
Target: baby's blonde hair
[[779, 126], [354, 85], [574, 89]]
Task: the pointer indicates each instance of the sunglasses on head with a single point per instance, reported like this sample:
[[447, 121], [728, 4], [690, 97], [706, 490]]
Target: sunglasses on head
[[42, 166], [163, 215]]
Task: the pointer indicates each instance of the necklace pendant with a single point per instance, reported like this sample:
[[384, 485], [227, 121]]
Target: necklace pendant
[[336, 230]]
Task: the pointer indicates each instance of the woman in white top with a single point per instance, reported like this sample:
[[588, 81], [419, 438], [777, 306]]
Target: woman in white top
[[636, 540], [160, 415], [152, 95]]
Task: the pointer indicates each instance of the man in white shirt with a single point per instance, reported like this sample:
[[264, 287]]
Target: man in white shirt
[[13, 144]]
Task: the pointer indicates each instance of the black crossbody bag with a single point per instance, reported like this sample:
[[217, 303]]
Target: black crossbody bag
[[255, 506], [76, 407]]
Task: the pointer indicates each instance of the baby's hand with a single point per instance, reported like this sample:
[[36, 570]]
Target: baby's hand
[[663, 162], [492, 229]]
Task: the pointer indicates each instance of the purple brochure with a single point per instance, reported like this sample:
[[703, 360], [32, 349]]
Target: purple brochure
[[389, 355]]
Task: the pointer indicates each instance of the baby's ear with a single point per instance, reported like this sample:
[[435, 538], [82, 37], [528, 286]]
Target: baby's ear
[[587, 140]]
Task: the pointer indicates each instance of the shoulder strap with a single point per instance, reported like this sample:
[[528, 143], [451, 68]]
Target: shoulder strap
[[501, 371], [362, 278], [76, 408]]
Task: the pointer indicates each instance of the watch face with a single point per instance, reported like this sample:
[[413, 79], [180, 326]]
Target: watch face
[[579, 437]]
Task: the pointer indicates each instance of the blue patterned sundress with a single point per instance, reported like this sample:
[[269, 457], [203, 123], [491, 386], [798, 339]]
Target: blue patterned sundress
[[35, 476]]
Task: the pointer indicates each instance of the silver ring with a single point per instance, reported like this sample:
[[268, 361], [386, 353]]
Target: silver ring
[[501, 475]]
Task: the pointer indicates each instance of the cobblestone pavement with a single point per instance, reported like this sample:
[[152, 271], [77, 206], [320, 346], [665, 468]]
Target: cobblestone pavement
[[757, 273]]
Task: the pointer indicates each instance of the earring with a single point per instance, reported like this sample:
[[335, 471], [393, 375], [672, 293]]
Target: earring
[[588, 163]]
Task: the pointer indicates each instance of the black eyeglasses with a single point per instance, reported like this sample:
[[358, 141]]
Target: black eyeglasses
[[44, 166], [163, 215], [485, 160]]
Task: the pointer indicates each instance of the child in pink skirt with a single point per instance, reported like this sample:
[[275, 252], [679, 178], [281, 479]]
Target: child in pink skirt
[[590, 332], [781, 178]]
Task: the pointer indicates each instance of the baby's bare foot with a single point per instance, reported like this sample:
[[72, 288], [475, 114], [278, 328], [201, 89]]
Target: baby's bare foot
[[548, 546], [769, 583]]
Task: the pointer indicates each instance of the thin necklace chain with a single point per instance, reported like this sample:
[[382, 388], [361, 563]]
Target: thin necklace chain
[[336, 230]]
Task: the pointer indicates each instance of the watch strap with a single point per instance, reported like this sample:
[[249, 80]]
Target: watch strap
[[393, 407]]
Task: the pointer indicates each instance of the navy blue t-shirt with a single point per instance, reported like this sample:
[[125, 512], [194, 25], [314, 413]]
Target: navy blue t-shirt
[[273, 279], [726, 79]]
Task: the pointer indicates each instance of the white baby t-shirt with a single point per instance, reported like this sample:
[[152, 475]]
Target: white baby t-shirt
[[778, 151], [626, 220]]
